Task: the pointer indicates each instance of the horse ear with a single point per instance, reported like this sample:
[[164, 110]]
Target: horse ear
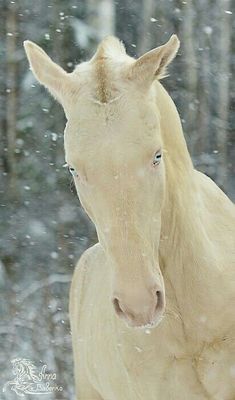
[[48, 73], [153, 64]]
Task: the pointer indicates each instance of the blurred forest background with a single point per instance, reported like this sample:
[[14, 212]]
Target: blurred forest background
[[43, 228]]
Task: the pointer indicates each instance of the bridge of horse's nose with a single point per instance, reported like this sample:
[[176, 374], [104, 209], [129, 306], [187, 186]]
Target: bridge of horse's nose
[[141, 308]]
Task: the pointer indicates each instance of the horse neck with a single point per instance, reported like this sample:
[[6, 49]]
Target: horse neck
[[180, 191]]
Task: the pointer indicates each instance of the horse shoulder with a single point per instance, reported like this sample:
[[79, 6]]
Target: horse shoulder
[[81, 279]]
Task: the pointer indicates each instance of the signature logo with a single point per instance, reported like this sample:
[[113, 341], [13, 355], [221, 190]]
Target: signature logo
[[28, 380]]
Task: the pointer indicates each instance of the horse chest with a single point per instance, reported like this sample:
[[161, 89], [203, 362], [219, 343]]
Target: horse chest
[[152, 364], [125, 369]]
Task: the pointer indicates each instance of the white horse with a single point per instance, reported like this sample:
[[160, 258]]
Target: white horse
[[166, 252]]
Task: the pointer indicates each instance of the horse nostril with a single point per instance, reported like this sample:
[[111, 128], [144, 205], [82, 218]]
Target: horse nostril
[[117, 306], [160, 300]]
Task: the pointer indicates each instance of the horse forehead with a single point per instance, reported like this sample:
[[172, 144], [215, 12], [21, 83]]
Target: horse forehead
[[97, 138]]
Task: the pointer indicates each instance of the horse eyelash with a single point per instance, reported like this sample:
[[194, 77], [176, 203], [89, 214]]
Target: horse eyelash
[[72, 186]]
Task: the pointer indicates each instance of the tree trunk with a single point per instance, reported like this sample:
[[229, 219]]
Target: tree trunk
[[11, 98], [223, 45], [190, 60], [101, 17], [202, 121], [145, 37], [3, 139]]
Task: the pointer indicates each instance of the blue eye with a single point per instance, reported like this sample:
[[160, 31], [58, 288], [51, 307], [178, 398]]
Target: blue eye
[[157, 158], [72, 171]]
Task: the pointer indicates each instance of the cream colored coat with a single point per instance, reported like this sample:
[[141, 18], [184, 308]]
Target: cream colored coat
[[190, 355]]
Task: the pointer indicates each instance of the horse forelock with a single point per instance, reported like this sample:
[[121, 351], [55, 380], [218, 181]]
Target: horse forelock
[[110, 47], [109, 52], [101, 76]]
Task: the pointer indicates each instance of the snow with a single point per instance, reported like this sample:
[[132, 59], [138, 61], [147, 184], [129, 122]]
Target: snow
[[208, 30], [20, 142], [54, 136], [54, 255], [37, 228], [232, 370], [202, 319], [138, 349]]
